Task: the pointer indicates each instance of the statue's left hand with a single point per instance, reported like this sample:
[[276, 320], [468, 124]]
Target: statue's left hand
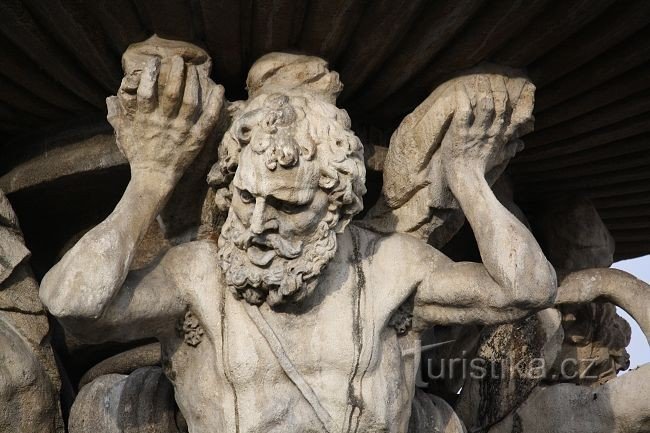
[[487, 123], [161, 123]]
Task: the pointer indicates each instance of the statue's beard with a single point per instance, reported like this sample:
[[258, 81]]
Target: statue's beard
[[269, 267]]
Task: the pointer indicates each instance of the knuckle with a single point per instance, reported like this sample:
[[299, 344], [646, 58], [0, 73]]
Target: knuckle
[[181, 124], [189, 100]]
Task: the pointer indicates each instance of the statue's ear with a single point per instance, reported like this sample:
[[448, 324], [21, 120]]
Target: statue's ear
[[221, 184], [215, 177]]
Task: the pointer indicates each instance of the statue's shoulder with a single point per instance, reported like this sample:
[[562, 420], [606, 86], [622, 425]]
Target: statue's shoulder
[[372, 243], [191, 260], [193, 267], [201, 246], [395, 263], [397, 252]]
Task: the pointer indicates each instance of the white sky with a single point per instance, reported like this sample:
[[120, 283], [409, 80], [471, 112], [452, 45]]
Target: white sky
[[638, 348]]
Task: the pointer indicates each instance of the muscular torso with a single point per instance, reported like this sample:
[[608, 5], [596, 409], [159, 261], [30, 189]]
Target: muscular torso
[[340, 342]]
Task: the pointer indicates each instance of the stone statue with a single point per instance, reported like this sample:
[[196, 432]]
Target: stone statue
[[297, 319], [580, 344], [588, 395], [29, 380]]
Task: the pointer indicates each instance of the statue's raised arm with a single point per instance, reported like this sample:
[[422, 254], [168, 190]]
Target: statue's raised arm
[[164, 111], [438, 171], [416, 197]]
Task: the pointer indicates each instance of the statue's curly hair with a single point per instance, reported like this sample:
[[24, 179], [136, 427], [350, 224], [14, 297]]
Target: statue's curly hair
[[287, 127]]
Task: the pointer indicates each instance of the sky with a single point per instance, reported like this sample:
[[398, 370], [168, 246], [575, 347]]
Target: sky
[[638, 348]]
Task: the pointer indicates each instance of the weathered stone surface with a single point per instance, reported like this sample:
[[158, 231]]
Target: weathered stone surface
[[583, 343], [142, 402], [433, 414], [619, 406], [289, 317], [521, 354], [12, 246], [95, 153], [574, 236], [416, 198], [28, 401], [124, 363], [594, 333], [29, 380]]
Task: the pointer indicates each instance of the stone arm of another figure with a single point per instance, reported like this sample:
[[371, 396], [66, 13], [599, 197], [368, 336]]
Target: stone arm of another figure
[[613, 285], [160, 135], [515, 277]]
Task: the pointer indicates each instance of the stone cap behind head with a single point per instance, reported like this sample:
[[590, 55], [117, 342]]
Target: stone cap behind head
[[282, 72]]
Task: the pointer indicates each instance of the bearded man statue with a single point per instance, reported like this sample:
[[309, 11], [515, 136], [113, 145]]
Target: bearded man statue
[[287, 322]]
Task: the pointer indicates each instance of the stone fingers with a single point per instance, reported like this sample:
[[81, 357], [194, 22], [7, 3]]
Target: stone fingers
[[502, 107], [212, 108], [463, 114], [127, 93], [191, 103], [460, 122], [513, 146], [147, 94], [114, 111], [173, 91], [484, 110], [522, 121], [115, 118]]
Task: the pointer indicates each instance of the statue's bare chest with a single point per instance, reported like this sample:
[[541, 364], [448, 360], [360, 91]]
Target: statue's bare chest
[[318, 343], [340, 347], [336, 347]]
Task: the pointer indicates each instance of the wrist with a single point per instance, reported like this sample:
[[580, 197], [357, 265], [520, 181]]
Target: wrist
[[470, 189], [461, 173], [154, 178], [149, 190], [144, 198]]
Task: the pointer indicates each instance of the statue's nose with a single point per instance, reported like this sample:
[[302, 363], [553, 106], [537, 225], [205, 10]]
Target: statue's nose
[[260, 222]]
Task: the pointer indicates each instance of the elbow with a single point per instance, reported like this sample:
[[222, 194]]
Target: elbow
[[537, 289], [65, 311], [51, 293], [64, 300], [65, 308]]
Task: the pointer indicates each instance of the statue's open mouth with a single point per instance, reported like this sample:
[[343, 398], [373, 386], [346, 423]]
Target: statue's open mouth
[[261, 254]]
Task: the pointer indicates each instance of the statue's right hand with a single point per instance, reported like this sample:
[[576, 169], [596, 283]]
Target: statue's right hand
[[163, 127]]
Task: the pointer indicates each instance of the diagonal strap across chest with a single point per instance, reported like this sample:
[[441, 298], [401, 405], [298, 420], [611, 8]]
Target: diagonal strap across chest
[[290, 370]]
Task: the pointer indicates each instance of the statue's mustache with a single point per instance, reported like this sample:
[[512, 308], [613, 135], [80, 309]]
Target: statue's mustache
[[283, 247]]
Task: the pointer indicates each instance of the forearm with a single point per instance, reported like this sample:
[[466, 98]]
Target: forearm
[[509, 251], [83, 283], [618, 287]]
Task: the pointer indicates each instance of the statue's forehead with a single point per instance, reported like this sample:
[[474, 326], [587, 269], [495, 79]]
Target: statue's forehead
[[296, 184]]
